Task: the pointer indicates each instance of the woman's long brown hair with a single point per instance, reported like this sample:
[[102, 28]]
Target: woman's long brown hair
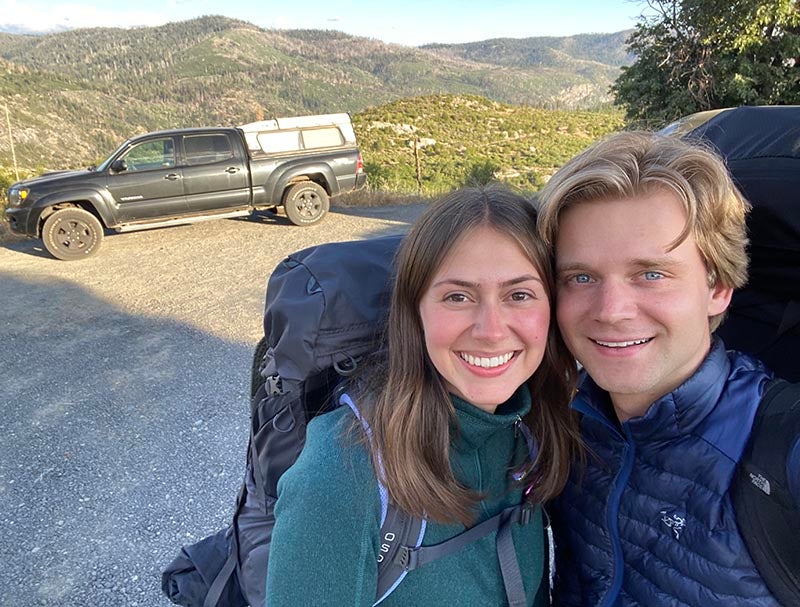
[[403, 398]]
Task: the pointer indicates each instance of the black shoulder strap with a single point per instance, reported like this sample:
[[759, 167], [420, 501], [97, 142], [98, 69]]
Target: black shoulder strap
[[399, 530], [766, 513]]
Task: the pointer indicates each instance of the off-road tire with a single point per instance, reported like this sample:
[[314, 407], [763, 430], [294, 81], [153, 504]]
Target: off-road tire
[[306, 203], [70, 234]]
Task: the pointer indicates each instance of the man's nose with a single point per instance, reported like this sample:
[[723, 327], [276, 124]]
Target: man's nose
[[614, 301]]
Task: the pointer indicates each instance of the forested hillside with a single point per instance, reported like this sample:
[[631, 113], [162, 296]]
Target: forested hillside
[[584, 53], [460, 139], [73, 96]]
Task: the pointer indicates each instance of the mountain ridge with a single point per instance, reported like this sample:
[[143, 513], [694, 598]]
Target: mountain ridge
[[74, 95]]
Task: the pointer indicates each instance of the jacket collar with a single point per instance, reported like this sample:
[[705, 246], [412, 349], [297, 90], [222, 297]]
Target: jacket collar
[[472, 426], [673, 414]]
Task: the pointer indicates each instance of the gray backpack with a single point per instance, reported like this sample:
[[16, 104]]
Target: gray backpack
[[325, 310]]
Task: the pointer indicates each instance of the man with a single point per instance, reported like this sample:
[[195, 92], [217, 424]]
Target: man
[[649, 239]]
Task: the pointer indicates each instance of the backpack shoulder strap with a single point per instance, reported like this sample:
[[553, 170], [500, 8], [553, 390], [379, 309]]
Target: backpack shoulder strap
[[398, 529], [401, 549], [767, 516], [402, 558]]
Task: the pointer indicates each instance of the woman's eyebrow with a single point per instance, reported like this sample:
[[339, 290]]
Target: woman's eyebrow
[[467, 284]]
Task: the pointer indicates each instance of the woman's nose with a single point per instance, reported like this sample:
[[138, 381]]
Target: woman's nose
[[489, 322]]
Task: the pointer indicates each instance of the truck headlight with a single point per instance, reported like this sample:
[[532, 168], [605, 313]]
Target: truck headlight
[[16, 196]]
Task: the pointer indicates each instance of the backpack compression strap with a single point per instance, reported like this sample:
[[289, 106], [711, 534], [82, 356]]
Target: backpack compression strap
[[767, 516], [409, 558]]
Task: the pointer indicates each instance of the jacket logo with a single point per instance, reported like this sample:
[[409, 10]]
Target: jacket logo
[[762, 483], [674, 522]]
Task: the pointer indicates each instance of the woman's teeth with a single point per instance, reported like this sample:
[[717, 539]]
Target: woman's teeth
[[486, 363]]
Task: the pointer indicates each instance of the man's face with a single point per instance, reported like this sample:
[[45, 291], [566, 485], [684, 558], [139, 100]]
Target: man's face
[[633, 313]]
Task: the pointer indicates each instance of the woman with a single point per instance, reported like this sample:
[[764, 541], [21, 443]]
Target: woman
[[470, 339]]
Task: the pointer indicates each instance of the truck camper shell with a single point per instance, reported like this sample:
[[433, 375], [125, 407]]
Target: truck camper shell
[[295, 134]]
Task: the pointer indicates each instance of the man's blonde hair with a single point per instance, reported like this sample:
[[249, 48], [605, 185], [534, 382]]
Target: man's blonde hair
[[630, 164]]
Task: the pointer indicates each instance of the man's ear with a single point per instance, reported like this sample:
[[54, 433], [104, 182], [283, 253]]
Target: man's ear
[[720, 299]]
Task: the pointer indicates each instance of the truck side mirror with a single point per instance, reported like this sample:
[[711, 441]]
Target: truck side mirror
[[119, 165]]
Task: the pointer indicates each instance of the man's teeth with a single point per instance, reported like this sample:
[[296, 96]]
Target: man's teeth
[[486, 363], [622, 344]]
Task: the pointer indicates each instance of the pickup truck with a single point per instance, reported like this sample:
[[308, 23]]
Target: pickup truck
[[194, 174]]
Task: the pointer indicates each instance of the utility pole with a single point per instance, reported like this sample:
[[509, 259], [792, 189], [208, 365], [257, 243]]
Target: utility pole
[[418, 165], [11, 141]]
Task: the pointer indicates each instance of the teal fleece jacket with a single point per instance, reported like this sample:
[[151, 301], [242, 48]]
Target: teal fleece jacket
[[325, 543]]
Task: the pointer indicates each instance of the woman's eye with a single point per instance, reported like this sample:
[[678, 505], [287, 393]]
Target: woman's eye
[[456, 297], [653, 275], [521, 296]]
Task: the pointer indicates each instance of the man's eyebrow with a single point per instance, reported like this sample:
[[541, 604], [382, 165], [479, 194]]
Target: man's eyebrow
[[468, 284], [656, 262], [570, 267], [642, 262]]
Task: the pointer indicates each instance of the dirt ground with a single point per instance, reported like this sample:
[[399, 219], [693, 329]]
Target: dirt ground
[[124, 393]]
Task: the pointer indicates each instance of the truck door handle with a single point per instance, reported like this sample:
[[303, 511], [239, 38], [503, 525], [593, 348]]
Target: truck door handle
[[172, 176], [232, 170]]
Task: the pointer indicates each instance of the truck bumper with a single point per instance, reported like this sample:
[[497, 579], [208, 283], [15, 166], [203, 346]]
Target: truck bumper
[[361, 181], [19, 220]]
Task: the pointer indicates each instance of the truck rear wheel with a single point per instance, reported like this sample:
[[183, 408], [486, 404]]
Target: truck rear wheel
[[70, 234], [306, 203]]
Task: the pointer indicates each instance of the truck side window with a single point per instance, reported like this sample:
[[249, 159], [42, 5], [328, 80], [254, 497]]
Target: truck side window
[[153, 154], [206, 149], [322, 138], [279, 141]]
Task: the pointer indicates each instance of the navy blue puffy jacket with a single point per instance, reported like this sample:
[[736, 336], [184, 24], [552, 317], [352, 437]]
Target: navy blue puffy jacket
[[652, 522]]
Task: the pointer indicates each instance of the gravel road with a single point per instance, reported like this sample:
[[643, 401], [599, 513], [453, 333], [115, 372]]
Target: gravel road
[[124, 393]]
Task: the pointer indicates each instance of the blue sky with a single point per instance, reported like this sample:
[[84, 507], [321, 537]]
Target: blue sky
[[409, 22]]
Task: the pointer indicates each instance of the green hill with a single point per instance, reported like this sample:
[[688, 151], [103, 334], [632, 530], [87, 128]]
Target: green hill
[[468, 138], [74, 96]]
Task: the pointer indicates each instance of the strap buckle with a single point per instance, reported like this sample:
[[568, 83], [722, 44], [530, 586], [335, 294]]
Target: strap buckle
[[407, 558], [274, 385], [525, 514]]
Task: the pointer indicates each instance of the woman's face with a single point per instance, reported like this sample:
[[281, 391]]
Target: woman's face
[[485, 316]]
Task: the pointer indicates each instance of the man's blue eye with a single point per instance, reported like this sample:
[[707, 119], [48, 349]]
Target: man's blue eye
[[653, 275], [582, 278]]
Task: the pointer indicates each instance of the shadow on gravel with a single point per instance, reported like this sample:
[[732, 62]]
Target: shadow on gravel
[[401, 213], [122, 437], [29, 246], [265, 217]]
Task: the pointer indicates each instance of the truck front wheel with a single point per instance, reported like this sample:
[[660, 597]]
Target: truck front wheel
[[70, 234], [306, 203]]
